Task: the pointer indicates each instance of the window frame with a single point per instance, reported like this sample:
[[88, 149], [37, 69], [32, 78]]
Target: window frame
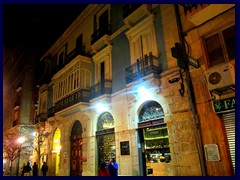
[[222, 43]]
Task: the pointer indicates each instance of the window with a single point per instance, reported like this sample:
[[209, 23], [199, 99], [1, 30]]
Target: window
[[142, 39], [220, 47], [61, 56]]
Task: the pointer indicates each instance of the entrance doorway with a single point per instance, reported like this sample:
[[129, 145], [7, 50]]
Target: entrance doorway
[[76, 150], [56, 151], [153, 137], [105, 138]]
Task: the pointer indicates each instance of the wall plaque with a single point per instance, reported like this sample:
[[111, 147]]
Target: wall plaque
[[125, 150], [211, 152]]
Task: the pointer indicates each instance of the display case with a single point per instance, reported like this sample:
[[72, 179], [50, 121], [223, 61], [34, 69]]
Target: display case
[[157, 144]]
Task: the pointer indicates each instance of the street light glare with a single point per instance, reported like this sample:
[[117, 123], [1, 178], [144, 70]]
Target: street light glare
[[20, 140]]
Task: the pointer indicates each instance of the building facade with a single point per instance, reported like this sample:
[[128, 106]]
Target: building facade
[[20, 96], [111, 88]]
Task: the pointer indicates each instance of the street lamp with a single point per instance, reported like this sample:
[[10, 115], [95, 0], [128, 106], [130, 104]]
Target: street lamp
[[20, 141]]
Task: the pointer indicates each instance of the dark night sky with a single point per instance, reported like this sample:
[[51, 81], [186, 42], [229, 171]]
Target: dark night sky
[[37, 26]]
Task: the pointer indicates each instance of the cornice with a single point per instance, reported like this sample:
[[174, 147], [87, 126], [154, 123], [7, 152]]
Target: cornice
[[72, 28]]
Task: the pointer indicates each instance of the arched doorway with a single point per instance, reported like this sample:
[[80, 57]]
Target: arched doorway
[[76, 150], [105, 138], [153, 136], [56, 151]]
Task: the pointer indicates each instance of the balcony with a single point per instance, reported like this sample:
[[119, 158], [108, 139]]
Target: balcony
[[133, 13], [142, 68], [100, 33], [129, 9], [74, 53], [200, 13], [82, 95], [42, 117], [101, 88], [51, 112]]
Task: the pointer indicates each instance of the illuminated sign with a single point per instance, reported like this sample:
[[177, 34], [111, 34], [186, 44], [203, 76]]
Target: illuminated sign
[[224, 105]]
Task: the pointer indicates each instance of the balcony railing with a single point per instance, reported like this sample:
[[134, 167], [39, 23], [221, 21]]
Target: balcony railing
[[143, 67], [74, 53], [82, 95], [101, 88], [51, 112], [129, 9], [189, 7], [100, 33], [42, 117]]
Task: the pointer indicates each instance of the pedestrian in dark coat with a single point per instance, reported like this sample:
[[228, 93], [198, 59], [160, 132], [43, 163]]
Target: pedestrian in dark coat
[[113, 167], [44, 169], [35, 169], [27, 169]]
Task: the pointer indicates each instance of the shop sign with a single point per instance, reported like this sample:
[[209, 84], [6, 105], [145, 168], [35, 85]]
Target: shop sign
[[224, 105], [125, 150], [150, 123], [105, 131]]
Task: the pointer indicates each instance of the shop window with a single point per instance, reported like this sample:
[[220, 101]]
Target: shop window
[[220, 47], [157, 144], [105, 138], [105, 121], [150, 111]]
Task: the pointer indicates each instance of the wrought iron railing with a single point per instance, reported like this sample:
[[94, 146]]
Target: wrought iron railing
[[42, 117], [143, 67], [100, 33], [51, 112], [129, 9], [83, 95], [103, 87], [75, 52], [188, 7]]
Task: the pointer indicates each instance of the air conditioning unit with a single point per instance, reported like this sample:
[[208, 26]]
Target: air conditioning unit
[[220, 76]]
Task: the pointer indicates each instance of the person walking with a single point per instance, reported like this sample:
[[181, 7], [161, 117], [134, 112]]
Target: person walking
[[113, 167], [35, 169], [103, 170], [44, 169], [27, 169]]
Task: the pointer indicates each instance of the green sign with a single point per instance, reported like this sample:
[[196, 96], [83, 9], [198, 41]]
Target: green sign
[[193, 62], [224, 105]]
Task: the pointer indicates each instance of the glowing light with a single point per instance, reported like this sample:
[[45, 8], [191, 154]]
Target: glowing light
[[101, 107], [56, 140], [20, 140], [34, 134], [58, 148], [142, 90]]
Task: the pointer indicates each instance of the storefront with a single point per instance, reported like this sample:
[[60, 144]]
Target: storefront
[[106, 147], [226, 109], [153, 136]]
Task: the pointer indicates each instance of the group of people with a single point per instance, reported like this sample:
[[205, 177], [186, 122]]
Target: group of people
[[27, 169], [108, 170]]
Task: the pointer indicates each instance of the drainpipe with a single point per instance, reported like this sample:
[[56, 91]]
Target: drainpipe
[[191, 97]]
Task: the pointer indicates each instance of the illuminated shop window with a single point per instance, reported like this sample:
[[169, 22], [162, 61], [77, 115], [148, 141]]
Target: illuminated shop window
[[150, 111], [105, 121]]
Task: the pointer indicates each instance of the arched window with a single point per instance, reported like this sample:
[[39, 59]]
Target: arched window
[[151, 110], [105, 121], [77, 128]]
